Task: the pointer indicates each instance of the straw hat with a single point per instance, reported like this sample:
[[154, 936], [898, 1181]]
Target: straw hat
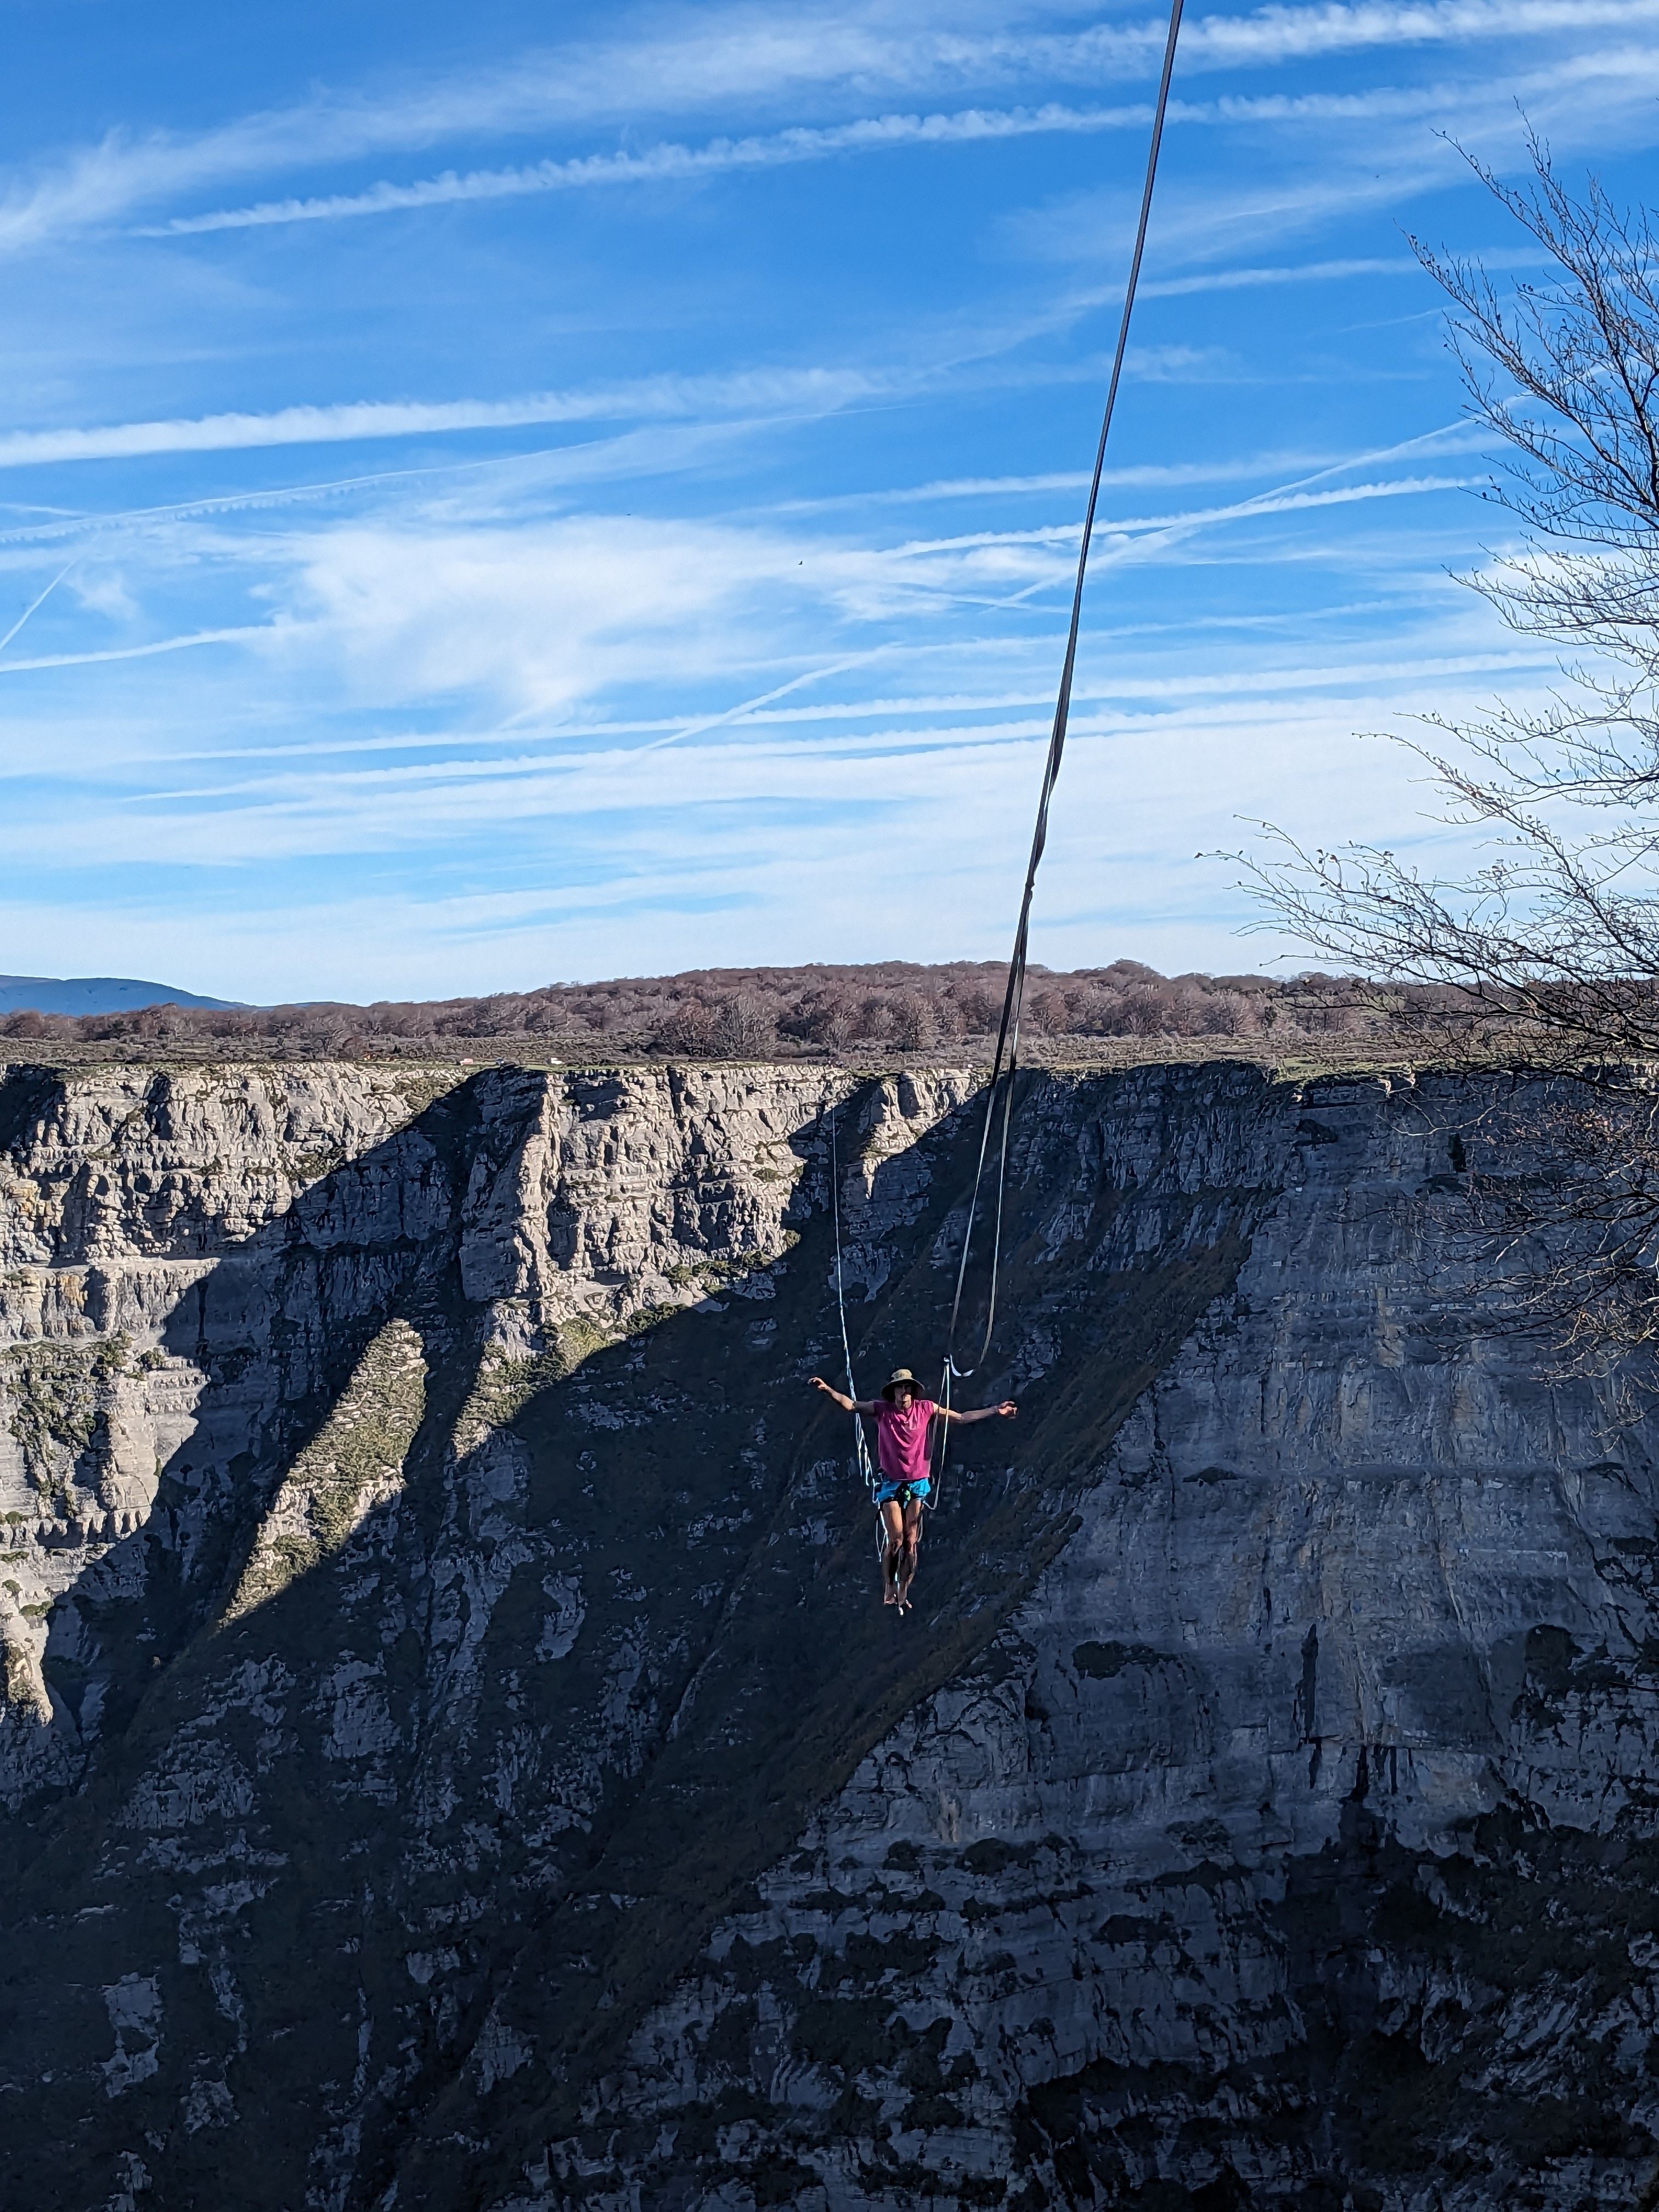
[[899, 1374]]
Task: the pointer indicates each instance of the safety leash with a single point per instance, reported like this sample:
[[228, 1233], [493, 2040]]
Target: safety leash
[[942, 1448], [862, 1464]]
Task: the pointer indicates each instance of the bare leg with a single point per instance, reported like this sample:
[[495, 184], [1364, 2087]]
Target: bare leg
[[893, 1521], [909, 1546]]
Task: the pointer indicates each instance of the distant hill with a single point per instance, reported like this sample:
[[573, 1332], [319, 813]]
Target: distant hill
[[92, 994], [815, 1012]]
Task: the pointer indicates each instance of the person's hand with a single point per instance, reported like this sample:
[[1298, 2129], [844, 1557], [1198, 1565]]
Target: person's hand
[[818, 1383], [1008, 1409]]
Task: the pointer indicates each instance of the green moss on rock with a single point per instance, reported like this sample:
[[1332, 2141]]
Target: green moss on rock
[[57, 1393], [356, 1457], [504, 1385]]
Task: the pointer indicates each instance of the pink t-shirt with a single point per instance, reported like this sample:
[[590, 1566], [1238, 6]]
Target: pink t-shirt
[[901, 1439]]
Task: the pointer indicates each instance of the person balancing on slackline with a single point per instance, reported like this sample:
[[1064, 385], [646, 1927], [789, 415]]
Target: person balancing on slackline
[[903, 1418]]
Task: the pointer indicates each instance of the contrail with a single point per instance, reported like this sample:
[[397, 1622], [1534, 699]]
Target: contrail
[[34, 604], [730, 713]]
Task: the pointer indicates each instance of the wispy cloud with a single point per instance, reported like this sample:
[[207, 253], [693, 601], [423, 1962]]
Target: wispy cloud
[[664, 164], [1232, 468], [676, 163], [1256, 280], [412, 806], [779, 859], [654, 450], [1284, 33], [1377, 153], [541, 616], [710, 59], [805, 389], [243, 634], [673, 162], [756, 392], [1282, 502], [1458, 436]]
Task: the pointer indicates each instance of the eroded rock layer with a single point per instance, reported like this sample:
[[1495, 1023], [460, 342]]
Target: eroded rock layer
[[454, 1756]]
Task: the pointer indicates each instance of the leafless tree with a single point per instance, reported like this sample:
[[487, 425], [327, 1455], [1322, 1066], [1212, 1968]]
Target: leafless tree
[[916, 1025], [1559, 930], [689, 1031], [744, 1028], [1547, 952], [1559, 1219], [829, 1017]]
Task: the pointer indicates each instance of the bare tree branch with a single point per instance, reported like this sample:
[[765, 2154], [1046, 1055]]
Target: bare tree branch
[[1546, 953]]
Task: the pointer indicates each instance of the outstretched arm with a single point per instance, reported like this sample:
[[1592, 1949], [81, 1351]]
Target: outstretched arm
[[1005, 1411], [847, 1405]]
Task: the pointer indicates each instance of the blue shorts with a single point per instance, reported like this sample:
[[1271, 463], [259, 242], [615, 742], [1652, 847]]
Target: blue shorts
[[888, 1491]]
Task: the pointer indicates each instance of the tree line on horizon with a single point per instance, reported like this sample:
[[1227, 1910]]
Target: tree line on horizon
[[747, 1013]]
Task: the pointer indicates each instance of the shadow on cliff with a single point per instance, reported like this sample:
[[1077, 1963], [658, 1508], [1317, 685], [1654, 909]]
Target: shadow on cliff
[[307, 1299]]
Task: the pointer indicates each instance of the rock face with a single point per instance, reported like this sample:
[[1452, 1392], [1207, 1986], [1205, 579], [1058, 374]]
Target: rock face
[[453, 1756]]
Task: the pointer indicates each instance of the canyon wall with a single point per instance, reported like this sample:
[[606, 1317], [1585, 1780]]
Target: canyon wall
[[453, 1754]]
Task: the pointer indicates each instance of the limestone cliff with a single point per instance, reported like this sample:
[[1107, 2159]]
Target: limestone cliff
[[453, 1757]]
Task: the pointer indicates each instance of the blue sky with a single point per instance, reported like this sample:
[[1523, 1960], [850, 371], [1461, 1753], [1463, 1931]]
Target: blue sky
[[526, 494]]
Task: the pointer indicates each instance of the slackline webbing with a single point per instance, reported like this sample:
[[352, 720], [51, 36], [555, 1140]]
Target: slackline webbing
[[1001, 1088]]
